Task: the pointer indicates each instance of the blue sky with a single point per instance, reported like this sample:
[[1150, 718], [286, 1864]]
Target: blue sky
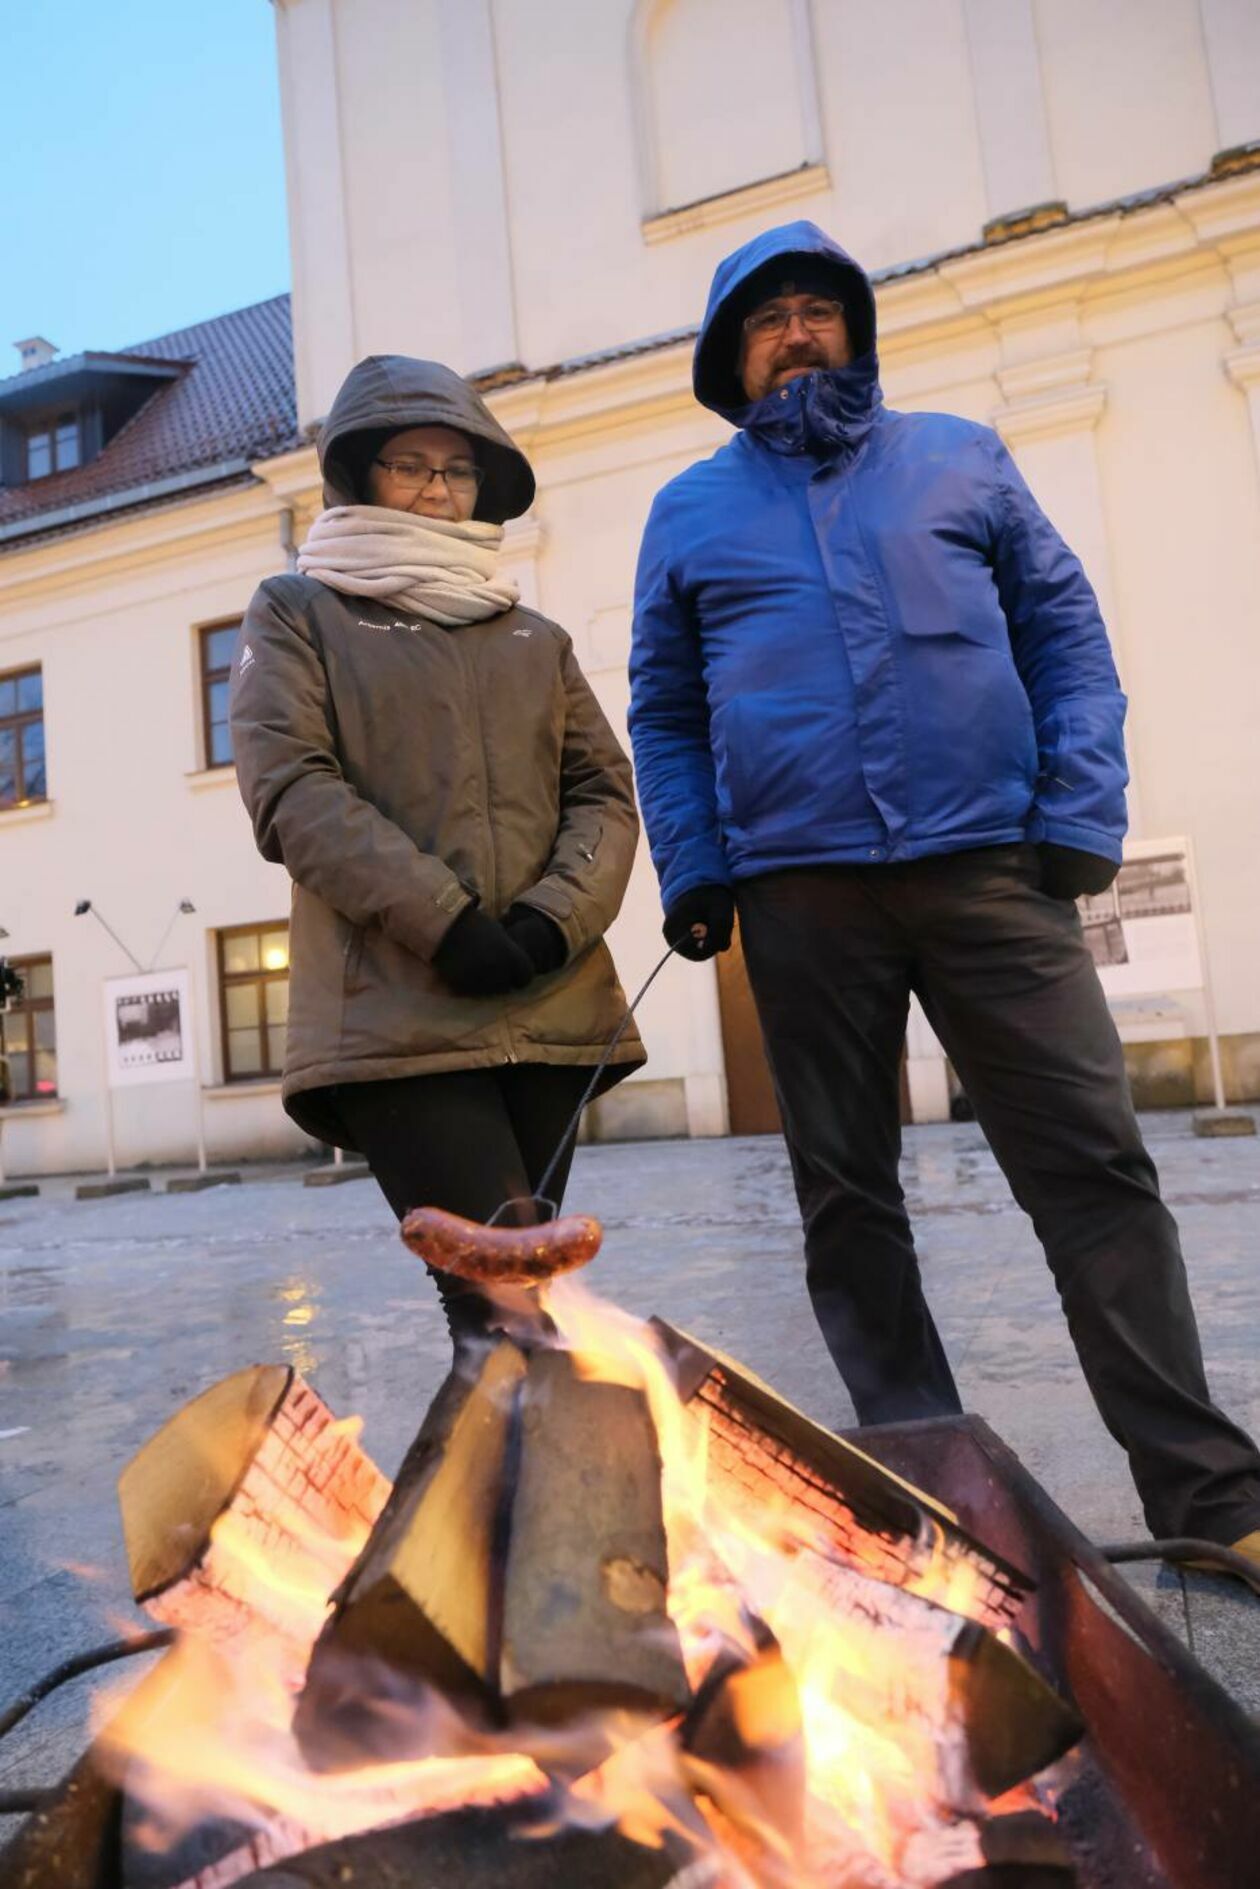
[[143, 184]]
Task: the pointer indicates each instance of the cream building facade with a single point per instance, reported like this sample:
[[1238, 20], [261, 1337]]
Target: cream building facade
[[1060, 204]]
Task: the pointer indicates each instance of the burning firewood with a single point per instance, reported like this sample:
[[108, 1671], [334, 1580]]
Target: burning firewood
[[767, 1456], [250, 1487], [520, 1562], [423, 1599], [585, 1616]]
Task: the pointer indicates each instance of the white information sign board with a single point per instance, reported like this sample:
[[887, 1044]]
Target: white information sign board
[[1143, 931], [148, 1029]]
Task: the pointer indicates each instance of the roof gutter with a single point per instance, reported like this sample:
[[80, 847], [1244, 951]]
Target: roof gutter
[[122, 501]]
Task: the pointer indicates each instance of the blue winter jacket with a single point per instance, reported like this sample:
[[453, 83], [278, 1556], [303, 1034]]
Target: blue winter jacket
[[857, 637]]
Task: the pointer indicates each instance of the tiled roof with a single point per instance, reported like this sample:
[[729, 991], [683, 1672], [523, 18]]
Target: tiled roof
[[234, 401]]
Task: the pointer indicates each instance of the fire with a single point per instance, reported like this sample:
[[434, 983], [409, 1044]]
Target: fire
[[826, 1752]]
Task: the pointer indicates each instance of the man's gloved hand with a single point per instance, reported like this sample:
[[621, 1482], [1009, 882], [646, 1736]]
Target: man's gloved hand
[[713, 907], [1068, 873], [478, 959], [539, 937]]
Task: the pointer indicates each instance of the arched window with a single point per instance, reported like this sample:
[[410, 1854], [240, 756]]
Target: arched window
[[726, 96]]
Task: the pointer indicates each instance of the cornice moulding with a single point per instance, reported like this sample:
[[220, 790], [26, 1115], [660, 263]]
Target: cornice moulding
[[1243, 366], [1044, 416], [1223, 210], [1031, 266], [810, 180], [643, 389], [293, 477], [119, 548], [1034, 380]]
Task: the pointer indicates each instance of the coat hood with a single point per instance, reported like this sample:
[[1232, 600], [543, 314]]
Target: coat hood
[[749, 275], [389, 392]]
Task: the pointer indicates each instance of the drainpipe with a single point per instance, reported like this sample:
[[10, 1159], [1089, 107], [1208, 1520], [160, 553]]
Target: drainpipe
[[288, 543]]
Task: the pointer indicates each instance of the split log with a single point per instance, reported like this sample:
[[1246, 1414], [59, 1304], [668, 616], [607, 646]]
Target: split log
[[585, 1618], [424, 1597], [250, 1502], [765, 1455], [1015, 1725]]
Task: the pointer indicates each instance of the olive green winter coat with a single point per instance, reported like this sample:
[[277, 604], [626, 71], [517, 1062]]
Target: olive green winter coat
[[400, 771]]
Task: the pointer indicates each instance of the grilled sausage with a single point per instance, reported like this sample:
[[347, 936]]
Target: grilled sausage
[[501, 1256]]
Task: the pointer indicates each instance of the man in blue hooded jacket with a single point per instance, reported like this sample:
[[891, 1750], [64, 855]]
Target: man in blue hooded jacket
[[874, 707]]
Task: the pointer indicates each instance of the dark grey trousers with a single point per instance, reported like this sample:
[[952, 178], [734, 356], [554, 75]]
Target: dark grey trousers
[[1005, 979]]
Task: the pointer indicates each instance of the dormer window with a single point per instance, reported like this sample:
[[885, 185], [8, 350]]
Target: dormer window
[[52, 446]]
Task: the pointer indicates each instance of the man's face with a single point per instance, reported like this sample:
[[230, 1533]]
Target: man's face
[[788, 335]]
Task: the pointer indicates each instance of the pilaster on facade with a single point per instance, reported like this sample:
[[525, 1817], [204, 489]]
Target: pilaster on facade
[[1045, 399], [1242, 364], [1049, 419], [523, 540], [1010, 105]]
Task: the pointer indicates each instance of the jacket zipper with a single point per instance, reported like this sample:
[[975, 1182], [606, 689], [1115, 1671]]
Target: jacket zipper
[[492, 875]]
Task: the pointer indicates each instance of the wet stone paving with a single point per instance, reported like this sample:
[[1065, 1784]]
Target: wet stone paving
[[114, 1312]]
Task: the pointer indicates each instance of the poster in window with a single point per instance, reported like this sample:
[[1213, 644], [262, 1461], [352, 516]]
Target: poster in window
[[1141, 931], [148, 1029]]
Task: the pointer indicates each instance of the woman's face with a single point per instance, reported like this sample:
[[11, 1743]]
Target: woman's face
[[404, 474]]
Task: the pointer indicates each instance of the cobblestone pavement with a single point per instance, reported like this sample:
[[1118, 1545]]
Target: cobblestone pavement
[[114, 1312]]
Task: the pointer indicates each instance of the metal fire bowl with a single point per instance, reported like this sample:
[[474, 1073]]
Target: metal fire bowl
[[1167, 1787], [1162, 1793]]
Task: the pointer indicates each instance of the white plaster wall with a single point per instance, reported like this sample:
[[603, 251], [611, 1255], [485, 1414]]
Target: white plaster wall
[[1128, 96], [469, 179], [134, 826]]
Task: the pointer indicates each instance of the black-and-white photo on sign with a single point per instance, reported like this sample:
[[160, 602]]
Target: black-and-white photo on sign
[[1141, 931], [148, 1028]]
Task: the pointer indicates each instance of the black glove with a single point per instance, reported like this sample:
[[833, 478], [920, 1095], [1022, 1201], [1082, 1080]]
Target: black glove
[[539, 937], [478, 959], [1068, 873], [712, 906]]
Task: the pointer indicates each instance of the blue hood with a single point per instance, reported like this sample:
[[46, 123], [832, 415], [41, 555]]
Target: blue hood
[[748, 276]]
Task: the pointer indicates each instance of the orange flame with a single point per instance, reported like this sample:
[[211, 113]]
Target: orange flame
[[869, 1710]]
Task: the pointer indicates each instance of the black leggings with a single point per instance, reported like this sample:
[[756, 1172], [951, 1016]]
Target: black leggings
[[467, 1141]]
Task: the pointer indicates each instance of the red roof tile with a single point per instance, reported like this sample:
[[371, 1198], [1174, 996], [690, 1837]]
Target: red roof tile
[[235, 401]]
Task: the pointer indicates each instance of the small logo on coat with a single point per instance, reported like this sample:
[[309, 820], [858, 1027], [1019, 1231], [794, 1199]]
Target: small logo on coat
[[247, 660], [522, 632]]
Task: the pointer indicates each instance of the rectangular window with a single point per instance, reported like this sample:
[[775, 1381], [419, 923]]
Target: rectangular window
[[52, 446], [23, 776], [218, 640], [254, 995], [28, 1036]]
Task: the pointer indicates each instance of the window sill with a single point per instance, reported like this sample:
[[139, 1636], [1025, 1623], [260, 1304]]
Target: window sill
[[248, 1085], [202, 777], [20, 1111], [807, 181], [27, 810]]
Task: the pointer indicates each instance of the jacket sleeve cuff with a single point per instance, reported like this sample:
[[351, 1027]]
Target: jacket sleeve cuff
[[558, 907], [1086, 839], [424, 920]]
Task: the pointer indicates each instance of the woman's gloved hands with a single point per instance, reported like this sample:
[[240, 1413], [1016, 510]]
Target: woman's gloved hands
[[1068, 873], [713, 907], [477, 958], [539, 937]]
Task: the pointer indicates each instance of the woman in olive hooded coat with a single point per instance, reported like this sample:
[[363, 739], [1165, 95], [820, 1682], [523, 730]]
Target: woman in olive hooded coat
[[426, 758]]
